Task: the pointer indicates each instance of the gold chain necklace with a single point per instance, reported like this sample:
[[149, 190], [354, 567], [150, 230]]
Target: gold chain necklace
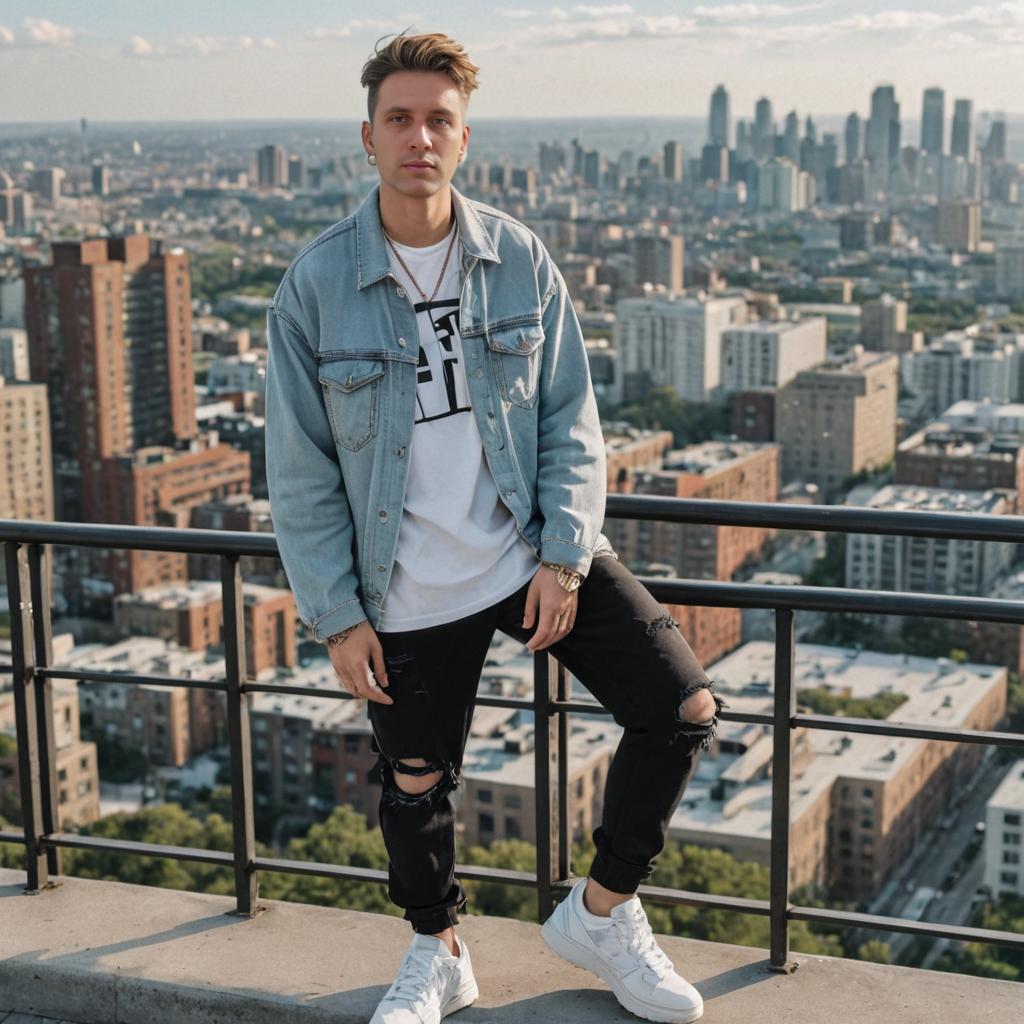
[[440, 276]]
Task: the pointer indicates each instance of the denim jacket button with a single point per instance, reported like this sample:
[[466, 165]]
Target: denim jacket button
[[400, 292], [383, 513], [380, 568], [401, 341]]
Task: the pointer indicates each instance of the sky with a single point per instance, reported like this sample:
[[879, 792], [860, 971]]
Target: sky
[[114, 60]]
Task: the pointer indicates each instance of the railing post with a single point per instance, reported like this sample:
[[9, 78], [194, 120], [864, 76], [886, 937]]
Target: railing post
[[239, 739], [562, 753], [546, 794], [42, 634], [25, 716], [782, 750]]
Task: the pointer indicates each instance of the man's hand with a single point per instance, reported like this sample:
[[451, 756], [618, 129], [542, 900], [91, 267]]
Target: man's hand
[[351, 660], [557, 609]]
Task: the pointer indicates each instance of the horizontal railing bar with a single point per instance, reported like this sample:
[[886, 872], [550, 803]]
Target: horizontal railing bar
[[825, 518], [12, 837], [921, 732], [186, 540], [471, 872], [932, 929], [697, 511], [135, 678], [486, 699], [104, 844], [839, 723], [717, 594]]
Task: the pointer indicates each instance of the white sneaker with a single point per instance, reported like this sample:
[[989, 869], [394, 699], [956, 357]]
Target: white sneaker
[[431, 984], [621, 950]]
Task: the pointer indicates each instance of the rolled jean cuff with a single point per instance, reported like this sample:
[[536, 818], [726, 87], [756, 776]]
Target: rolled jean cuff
[[613, 872], [437, 919]]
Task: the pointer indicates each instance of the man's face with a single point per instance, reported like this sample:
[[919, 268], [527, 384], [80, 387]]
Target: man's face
[[418, 134]]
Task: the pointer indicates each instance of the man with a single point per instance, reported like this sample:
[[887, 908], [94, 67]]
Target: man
[[437, 471]]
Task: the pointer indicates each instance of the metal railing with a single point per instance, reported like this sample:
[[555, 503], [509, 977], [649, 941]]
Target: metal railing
[[32, 671]]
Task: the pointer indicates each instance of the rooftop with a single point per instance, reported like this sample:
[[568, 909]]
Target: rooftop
[[99, 952], [938, 691]]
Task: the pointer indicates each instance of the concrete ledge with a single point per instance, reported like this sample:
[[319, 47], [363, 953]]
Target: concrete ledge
[[109, 953]]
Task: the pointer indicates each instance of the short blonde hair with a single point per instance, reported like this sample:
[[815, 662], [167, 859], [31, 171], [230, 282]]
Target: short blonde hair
[[431, 51]]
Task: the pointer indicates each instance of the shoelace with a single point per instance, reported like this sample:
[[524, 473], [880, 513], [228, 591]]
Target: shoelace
[[638, 939], [414, 978]]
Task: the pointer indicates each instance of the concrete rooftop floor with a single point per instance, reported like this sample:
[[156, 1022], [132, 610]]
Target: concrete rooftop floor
[[94, 952]]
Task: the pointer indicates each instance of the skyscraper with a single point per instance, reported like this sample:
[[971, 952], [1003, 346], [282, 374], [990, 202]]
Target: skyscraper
[[852, 137], [110, 333], [933, 120], [764, 129], [791, 138], [272, 166], [962, 141], [995, 145], [672, 161], [718, 126], [882, 140]]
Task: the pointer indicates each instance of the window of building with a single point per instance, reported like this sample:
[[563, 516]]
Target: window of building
[[513, 800], [1011, 818], [512, 830], [485, 822], [484, 796], [1008, 877]]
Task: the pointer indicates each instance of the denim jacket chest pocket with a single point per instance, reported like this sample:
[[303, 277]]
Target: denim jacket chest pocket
[[351, 388], [516, 353]]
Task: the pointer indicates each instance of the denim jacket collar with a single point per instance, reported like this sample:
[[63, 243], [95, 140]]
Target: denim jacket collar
[[372, 258]]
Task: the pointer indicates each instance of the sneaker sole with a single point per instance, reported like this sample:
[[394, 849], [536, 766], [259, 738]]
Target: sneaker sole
[[580, 956], [464, 997]]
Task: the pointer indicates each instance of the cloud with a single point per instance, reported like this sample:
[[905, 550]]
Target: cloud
[[736, 27], [752, 12], [43, 32], [344, 31], [195, 46], [138, 47], [6, 36]]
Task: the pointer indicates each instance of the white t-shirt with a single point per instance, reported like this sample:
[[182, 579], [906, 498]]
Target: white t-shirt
[[459, 549]]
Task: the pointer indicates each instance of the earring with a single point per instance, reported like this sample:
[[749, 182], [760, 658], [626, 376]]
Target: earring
[[371, 158]]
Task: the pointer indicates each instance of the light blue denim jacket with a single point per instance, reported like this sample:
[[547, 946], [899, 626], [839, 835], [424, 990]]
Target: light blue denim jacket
[[341, 394]]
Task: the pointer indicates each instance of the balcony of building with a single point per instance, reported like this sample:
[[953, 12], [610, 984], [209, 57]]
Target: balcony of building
[[98, 952]]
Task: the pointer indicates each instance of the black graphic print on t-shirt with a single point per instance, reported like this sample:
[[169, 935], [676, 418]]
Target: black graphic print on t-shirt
[[439, 391]]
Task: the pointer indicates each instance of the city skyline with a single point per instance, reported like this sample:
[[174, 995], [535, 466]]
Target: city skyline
[[234, 62]]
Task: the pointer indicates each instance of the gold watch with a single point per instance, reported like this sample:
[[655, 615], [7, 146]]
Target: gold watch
[[568, 579]]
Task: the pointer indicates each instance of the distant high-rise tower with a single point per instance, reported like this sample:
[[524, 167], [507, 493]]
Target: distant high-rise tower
[[100, 179], [272, 166], [764, 129], [852, 138], [672, 161], [791, 137], [882, 139], [110, 334], [718, 123], [933, 120], [995, 145], [962, 141]]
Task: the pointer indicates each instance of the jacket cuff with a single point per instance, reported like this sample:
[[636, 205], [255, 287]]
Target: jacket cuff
[[565, 552], [336, 620]]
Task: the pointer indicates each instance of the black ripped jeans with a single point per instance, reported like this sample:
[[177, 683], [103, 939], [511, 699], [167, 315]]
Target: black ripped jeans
[[623, 648]]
